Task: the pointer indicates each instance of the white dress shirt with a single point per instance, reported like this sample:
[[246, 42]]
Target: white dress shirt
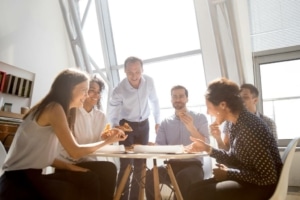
[[133, 104]]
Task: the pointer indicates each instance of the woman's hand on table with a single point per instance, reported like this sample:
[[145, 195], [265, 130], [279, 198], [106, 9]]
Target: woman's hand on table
[[197, 145]]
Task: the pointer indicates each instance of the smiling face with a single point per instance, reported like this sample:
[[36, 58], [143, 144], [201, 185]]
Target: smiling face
[[79, 94], [179, 99], [134, 72], [218, 112], [94, 95]]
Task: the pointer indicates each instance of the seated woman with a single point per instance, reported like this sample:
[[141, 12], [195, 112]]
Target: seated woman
[[36, 142], [87, 124], [251, 168]]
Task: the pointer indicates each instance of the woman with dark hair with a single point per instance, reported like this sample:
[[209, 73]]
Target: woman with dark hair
[[251, 168], [36, 142]]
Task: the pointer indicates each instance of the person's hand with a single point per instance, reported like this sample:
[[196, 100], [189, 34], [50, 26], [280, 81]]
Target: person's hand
[[115, 135], [215, 130], [156, 128], [220, 173], [151, 143], [186, 119], [197, 145]]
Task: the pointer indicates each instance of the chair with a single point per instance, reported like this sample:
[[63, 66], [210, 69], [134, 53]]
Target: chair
[[287, 158], [2, 156]]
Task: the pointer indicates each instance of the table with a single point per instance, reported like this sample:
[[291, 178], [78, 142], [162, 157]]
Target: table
[[153, 156]]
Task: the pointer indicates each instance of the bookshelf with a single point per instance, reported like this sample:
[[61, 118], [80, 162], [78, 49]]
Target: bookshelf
[[16, 87]]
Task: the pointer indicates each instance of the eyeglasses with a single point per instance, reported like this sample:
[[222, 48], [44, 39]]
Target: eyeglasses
[[94, 92], [178, 97]]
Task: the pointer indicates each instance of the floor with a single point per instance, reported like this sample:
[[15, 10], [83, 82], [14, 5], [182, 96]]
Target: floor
[[293, 193]]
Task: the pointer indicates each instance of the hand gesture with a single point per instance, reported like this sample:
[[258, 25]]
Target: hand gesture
[[115, 135], [215, 130], [220, 173], [186, 119], [197, 145]]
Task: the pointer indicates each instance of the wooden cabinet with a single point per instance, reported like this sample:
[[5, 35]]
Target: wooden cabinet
[[9, 123]]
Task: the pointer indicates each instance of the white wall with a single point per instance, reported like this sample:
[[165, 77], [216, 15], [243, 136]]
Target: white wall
[[33, 37]]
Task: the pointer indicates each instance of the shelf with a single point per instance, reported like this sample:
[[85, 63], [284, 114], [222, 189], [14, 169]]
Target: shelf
[[11, 115]]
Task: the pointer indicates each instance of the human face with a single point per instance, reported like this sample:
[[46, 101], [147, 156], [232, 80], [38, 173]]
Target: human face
[[134, 73], [249, 100], [79, 94], [179, 99], [218, 112], [94, 94]]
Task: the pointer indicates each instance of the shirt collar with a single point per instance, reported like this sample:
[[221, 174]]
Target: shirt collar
[[85, 113]]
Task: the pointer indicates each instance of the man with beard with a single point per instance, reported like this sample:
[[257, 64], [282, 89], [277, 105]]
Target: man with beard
[[176, 130]]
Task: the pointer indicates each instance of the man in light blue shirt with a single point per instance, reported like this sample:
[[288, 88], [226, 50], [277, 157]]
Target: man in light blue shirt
[[131, 102], [176, 130]]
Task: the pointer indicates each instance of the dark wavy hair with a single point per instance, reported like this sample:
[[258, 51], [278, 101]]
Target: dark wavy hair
[[225, 90], [101, 84], [61, 91]]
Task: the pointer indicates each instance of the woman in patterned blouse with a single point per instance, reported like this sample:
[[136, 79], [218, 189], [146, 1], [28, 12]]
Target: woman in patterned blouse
[[251, 168]]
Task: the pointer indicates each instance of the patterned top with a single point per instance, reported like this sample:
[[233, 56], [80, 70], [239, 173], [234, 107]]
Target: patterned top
[[253, 156], [270, 123]]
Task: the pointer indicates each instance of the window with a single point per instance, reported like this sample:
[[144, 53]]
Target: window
[[279, 79], [165, 35]]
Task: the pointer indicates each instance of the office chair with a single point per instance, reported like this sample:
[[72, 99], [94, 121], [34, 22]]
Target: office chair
[[287, 158]]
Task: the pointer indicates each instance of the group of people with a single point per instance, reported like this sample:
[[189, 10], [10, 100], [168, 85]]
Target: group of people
[[65, 127]]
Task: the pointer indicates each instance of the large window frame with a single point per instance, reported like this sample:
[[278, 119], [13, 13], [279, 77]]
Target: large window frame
[[273, 56]]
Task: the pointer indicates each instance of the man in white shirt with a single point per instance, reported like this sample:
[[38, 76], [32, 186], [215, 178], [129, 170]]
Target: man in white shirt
[[130, 103]]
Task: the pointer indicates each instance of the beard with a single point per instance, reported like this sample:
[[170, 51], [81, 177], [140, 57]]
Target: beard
[[178, 106]]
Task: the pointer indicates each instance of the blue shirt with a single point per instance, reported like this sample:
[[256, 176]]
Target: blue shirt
[[173, 132], [133, 104]]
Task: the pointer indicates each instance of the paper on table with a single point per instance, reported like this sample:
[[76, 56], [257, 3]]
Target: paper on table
[[111, 149], [158, 149]]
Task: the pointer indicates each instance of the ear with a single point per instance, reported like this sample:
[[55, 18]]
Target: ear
[[255, 100], [222, 105]]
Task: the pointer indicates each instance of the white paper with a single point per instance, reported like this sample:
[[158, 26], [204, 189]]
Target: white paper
[[158, 149], [111, 149]]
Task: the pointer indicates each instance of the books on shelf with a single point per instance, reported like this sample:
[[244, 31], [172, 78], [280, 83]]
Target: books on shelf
[[2, 80], [16, 86]]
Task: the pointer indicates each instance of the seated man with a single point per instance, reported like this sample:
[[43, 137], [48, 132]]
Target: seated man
[[176, 130], [249, 94]]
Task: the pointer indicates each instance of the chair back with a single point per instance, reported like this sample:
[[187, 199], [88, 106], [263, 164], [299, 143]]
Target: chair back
[[2, 156], [287, 158]]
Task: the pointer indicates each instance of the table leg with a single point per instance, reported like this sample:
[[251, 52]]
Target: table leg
[[142, 182], [174, 182], [157, 195], [121, 186]]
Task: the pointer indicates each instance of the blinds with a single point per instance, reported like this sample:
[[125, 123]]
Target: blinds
[[274, 24]]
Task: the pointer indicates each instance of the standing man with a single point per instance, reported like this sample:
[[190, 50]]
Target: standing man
[[130, 103], [249, 94], [175, 130]]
